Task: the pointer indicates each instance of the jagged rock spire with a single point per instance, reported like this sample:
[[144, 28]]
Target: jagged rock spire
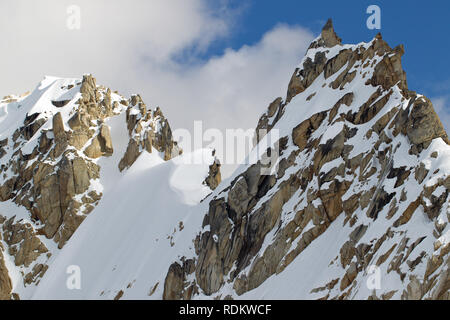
[[328, 37]]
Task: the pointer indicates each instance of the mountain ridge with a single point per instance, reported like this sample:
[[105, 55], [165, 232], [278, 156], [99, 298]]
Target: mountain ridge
[[371, 191], [62, 146], [360, 189]]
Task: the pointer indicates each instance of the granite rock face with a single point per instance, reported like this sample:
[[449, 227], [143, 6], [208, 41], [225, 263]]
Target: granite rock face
[[5, 281], [148, 130]]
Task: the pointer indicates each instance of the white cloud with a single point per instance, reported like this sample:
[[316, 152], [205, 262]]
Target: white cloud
[[114, 38], [232, 90], [134, 46]]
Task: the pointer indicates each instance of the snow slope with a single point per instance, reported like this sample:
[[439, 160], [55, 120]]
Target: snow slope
[[133, 234]]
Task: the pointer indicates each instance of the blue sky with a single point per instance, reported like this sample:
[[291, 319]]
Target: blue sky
[[421, 26]]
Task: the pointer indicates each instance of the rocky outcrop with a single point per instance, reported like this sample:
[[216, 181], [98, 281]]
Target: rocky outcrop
[[214, 176], [23, 244], [176, 286], [423, 125], [268, 119], [311, 68], [5, 281], [328, 37], [302, 78], [101, 145], [55, 191], [147, 130], [389, 71]]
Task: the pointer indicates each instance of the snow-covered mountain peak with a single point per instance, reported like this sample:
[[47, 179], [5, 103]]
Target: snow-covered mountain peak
[[63, 148], [361, 186]]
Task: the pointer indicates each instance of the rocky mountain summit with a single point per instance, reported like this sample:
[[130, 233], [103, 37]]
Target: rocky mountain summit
[[361, 188], [356, 205], [52, 143]]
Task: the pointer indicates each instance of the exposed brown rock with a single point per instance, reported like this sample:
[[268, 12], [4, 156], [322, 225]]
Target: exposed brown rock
[[214, 177], [347, 99], [407, 214], [303, 131], [349, 276], [423, 124], [302, 78], [54, 191], [101, 145], [5, 281], [130, 156], [328, 37], [389, 71], [175, 281], [22, 241], [273, 113], [146, 137], [60, 135]]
